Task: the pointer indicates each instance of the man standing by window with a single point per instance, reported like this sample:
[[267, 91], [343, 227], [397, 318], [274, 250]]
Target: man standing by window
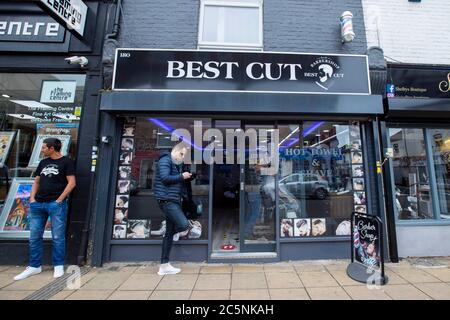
[[54, 180]]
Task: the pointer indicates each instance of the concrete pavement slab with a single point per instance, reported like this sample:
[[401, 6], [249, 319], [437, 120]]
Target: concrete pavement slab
[[248, 281], [364, 293], [170, 295], [283, 280], [437, 291], [404, 292], [210, 295], [130, 295], [251, 294], [90, 295], [213, 282], [14, 295], [288, 294], [137, 282], [327, 293], [178, 282], [312, 279]]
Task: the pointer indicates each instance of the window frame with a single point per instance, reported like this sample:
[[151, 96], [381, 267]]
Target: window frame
[[206, 45], [436, 220]]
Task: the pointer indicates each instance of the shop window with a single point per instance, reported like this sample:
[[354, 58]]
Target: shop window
[[321, 178], [441, 159], [32, 108], [137, 214], [411, 177], [231, 24]]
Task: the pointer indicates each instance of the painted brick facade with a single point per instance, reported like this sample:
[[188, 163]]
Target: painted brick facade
[[409, 32], [289, 25]]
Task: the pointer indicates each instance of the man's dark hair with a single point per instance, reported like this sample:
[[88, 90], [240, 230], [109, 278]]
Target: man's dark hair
[[54, 143]]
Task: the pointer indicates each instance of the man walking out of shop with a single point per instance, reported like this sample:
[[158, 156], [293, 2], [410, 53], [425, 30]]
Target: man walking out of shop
[[54, 180], [169, 189]]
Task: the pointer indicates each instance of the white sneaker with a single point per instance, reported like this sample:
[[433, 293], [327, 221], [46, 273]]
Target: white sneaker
[[29, 271], [176, 237], [58, 272], [167, 268]]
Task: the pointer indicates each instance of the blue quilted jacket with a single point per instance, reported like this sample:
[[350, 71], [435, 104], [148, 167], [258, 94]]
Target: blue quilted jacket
[[169, 183]]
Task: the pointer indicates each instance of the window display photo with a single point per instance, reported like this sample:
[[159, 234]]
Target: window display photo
[[287, 228], [138, 229], [6, 141], [318, 227], [14, 219], [302, 227], [38, 155]]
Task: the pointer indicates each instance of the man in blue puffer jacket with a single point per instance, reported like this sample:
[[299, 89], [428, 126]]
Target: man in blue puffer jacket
[[169, 189]]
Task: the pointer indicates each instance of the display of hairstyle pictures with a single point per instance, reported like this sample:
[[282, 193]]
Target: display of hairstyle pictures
[[122, 201], [358, 184], [355, 132], [124, 228], [123, 186], [120, 215], [356, 144], [124, 172], [128, 130], [358, 171], [14, 219], [120, 231], [361, 209], [6, 142], [126, 157], [302, 227], [138, 229], [359, 198], [318, 227], [127, 144], [357, 157], [37, 155], [344, 228], [287, 228]]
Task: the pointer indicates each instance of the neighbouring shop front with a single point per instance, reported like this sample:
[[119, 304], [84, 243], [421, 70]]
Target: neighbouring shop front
[[42, 96], [316, 111], [417, 139]]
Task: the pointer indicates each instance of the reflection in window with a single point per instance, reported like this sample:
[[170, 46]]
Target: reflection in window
[[143, 140], [315, 182], [411, 177], [441, 160]]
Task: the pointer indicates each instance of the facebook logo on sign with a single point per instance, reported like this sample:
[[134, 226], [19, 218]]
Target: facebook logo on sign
[[390, 90]]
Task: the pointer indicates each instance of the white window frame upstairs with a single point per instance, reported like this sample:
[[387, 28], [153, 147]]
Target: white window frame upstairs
[[205, 45]]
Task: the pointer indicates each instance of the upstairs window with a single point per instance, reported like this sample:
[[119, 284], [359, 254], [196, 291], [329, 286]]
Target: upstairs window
[[231, 25]]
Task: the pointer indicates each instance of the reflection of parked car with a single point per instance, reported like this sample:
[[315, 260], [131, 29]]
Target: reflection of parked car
[[302, 185]]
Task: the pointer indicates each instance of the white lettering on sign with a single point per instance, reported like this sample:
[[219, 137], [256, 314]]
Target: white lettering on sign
[[213, 70], [196, 69], [20, 28], [72, 12]]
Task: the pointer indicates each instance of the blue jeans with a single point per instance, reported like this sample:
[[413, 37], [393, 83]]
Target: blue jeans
[[39, 213], [176, 222]]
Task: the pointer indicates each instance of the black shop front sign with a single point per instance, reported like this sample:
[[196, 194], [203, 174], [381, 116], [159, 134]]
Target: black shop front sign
[[418, 83], [182, 70]]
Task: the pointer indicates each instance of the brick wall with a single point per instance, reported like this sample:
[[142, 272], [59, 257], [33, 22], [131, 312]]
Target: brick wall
[[409, 32]]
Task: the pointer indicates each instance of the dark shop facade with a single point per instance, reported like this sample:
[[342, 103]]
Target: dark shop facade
[[42, 95], [197, 70]]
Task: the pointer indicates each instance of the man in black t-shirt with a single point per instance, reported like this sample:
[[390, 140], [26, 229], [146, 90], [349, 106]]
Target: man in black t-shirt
[[54, 180]]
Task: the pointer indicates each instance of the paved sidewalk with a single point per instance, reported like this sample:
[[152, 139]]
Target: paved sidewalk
[[411, 279]]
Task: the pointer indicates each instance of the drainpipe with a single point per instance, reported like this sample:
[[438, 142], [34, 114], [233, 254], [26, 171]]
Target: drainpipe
[[82, 253]]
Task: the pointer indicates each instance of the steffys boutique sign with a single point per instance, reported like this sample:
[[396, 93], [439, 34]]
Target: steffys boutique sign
[[140, 69], [418, 83]]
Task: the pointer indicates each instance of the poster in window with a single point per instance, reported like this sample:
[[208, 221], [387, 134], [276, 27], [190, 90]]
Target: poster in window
[[302, 227], [119, 231], [37, 155], [287, 228], [318, 227], [138, 229], [6, 142], [128, 130], [15, 218]]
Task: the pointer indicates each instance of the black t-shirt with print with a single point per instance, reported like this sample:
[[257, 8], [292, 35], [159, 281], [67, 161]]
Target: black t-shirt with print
[[53, 177]]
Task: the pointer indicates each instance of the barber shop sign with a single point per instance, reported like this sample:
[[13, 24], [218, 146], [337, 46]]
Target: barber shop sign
[[268, 72]]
